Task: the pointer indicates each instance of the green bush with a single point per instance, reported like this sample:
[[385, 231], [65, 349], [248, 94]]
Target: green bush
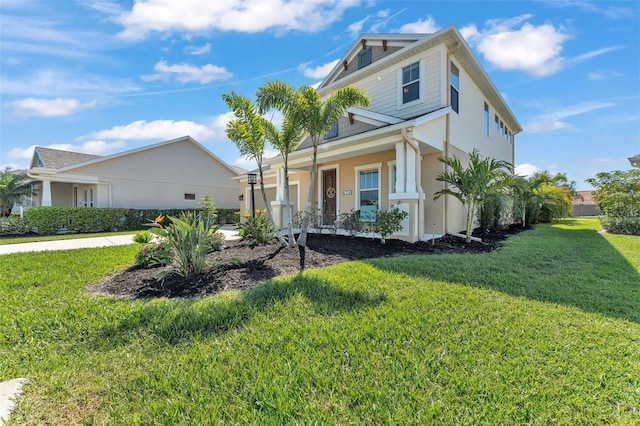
[[350, 222], [13, 225], [155, 254], [491, 214], [228, 215], [256, 230], [389, 221], [621, 225], [143, 237], [217, 242]]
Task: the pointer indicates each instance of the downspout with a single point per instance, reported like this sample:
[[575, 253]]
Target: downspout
[[418, 167]]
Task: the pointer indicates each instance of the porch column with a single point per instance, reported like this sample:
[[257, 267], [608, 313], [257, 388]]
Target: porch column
[[405, 169], [46, 193], [278, 208]]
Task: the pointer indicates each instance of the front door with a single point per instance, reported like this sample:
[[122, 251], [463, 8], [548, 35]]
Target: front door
[[329, 196]]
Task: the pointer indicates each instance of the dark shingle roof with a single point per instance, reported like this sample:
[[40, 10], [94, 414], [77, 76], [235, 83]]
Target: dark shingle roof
[[56, 158]]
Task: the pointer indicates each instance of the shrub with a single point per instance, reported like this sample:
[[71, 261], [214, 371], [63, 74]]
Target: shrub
[[208, 209], [217, 242], [621, 225], [493, 210], [156, 254], [389, 221], [256, 230], [143, 237], [350, 222], [13, 225]]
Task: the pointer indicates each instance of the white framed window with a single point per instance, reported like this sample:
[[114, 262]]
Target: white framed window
[[411, 84], [455, 87], [497, 123], [393, 176], [486, 119], [87, 197], [368, 191]]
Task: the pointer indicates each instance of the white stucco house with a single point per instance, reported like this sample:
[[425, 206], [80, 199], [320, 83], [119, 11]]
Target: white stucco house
[[429, 97], [174, 174]]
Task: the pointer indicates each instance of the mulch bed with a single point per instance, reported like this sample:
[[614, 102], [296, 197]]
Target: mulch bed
[[241, 266]]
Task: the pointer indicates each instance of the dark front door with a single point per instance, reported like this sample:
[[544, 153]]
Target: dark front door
[[329, 196]]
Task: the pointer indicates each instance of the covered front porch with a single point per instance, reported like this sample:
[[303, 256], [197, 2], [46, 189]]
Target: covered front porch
[[70, 191]]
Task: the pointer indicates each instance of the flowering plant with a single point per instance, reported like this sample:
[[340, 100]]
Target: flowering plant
[[159, 253]]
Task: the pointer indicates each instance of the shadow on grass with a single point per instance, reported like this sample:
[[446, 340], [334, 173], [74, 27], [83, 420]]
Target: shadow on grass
[[567, 266], [181, 320]]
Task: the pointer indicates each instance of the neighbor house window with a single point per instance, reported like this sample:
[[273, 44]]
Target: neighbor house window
[[486, 119], [189, 196], [368, 192], [87, 197], [364, 57], [411, 83], [501, 127], [333, 131], [497, 122], [455, 87]]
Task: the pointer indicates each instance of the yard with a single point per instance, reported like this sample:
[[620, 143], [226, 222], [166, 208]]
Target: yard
[[545, 330]]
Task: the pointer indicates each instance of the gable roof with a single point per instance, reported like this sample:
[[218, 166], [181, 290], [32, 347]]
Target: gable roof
[[67, 158], [57, 158], [412, 44]]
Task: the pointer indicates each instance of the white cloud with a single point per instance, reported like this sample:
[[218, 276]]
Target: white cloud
[[469, 32], [356, 28], [241, 15], [198, 50], [421, 26], [320, 71], [593, 54], [37, 107], [185, 73], [526, 170], [554, 120], [158, 129]]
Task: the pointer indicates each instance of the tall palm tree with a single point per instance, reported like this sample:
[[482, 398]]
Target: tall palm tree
[[247, 131], [316, 117], [278, 94], [474, 183], [526, 194], [13, 188]]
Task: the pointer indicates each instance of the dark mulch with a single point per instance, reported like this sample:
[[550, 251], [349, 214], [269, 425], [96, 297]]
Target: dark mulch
[[241, 266]]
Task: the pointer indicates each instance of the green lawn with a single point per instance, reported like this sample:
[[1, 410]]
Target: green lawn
[[38, 238], [545, 331]]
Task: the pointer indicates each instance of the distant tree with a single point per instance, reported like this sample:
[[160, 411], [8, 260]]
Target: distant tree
[[13, 189], [247, 132], [472, 185], [617, 193]]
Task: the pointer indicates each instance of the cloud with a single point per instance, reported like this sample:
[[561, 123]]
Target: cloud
[[554, 121], [603, 75], [526, 170], [35, 107], [198, 50], [320, 71], [158, 129], [250, 16], [356, 28], [185, 73], [426, 26]]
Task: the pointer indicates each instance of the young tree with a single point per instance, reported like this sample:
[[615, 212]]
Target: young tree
[[474, 183], [247, 132], [278, 94], [13, 188], [526, 197]]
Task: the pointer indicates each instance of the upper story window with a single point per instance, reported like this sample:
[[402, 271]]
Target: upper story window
[[486, 119], [411, 83], [333, 131], [455, 87], [497, 122], [364, 57]]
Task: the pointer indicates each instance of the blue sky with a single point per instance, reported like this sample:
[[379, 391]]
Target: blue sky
[[102, 76]]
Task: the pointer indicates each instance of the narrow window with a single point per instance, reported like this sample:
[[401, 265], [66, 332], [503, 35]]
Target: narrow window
[[364, 57], [501, 127], [455, 87], [393, 178], [333, 131], [411, 83], [369, 195], [189, 196], [486, 119], [497, 122]]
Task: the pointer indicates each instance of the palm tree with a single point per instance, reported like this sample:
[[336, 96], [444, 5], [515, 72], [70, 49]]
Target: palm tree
[[526, 196], [247, 131], [474, 183], [316, 116], [13, 188], [278, 94]]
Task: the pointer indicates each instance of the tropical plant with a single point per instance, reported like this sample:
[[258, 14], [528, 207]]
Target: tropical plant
[[208, 208], [256, 229], [143, 237], [389, 221], [617, 194], [494, 211], [155, 254], [13, 189], [280, 95], [247, 131], [526, 204], [474, 183]]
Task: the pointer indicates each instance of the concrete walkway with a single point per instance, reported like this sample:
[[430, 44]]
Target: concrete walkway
[[9, 390], [229, 232]]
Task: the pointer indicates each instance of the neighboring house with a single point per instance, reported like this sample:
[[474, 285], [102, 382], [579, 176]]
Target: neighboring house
[[583, 205], [174, 174], [430, 97], [635, 161]]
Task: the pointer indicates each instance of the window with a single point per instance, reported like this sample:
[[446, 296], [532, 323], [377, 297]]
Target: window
[[87, 197], [364, 57], [369, 194], [393, 177], [497, 122], [411, 83], [486, 119], [333, 131], [455, 87], [188, 196], [501, 127], [506, 132]]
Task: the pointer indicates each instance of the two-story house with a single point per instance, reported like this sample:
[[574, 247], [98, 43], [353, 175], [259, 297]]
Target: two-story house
[[429, 97]]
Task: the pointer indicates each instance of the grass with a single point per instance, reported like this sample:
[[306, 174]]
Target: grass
[[545, 331], [38, 238]]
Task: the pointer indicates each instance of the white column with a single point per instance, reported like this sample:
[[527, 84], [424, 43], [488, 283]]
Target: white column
[[410, 158], [401, 167], [46, 193]]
